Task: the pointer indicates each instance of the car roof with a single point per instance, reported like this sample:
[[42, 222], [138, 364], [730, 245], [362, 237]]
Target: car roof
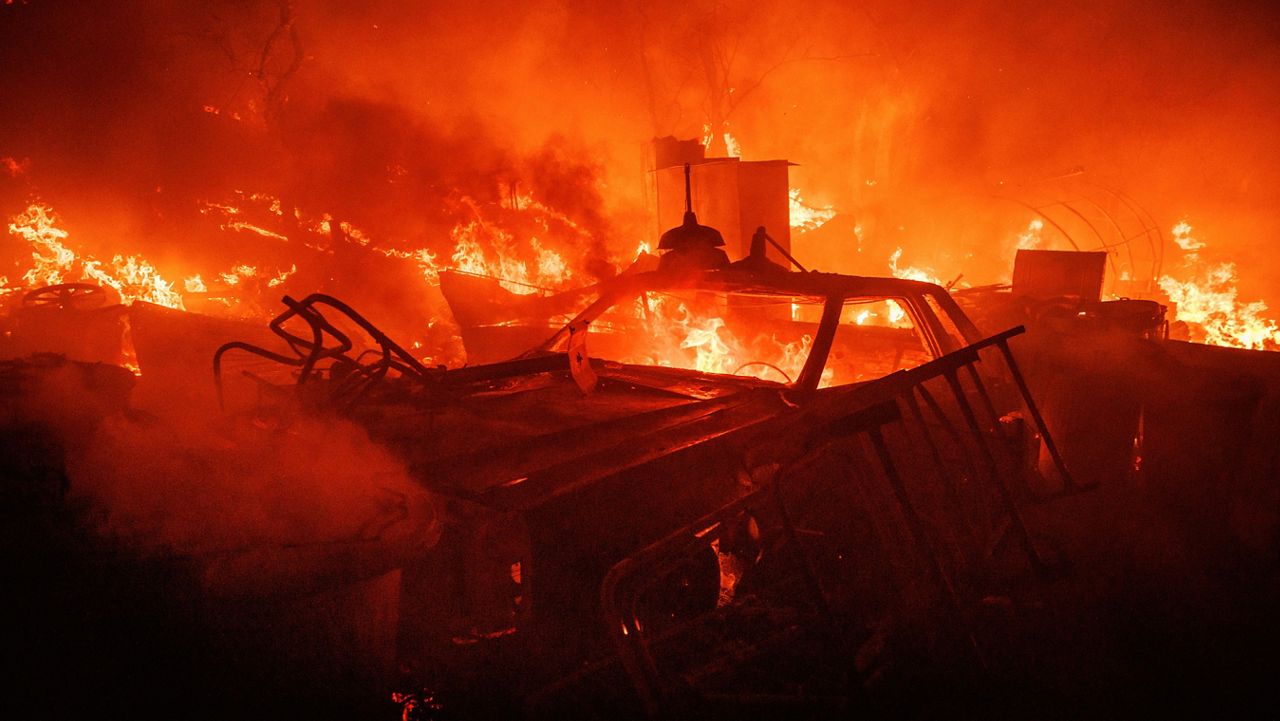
[[809, 283]]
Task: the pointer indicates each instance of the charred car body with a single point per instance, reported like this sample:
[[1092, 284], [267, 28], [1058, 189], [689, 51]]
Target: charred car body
[[867, 476]]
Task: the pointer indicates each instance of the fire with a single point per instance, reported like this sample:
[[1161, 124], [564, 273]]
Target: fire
[[53, 262], [481, 246], [1030, 238], [680, 336], [550, 271], [134, 278], [282, 276], [238, 273], [50, 259], [732, 147], [469, 256], [703, 336], [910, 272], [806, 217], [1208, 300]]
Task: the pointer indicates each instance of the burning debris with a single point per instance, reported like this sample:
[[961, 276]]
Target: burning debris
[[355, 365]]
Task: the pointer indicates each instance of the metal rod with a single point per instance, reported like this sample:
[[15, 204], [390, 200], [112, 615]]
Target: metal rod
[[1068, 482], [916, 525], [1006, 497], [785, 254], [688, 191]]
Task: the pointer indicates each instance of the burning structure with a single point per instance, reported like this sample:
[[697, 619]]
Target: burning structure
[[336, 390]]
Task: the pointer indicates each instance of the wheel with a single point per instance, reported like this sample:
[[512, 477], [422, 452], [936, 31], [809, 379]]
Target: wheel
[[66, 296]]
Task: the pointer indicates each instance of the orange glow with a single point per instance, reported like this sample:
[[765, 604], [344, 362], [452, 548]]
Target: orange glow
[[1207, 300], [703, 336], [679, 336], [1030, 238], [134, 278], [282, 276], [52, 262], [238, 273], [910, 272], [805, 217], [549, 269], [50, 259], [13, 166]]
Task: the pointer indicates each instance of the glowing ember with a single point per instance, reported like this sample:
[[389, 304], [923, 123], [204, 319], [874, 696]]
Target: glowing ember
[[238, 273], [13, 166], [230, 214], [282, 276]]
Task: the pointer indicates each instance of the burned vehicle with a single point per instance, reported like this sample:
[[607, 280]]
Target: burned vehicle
[[831, 456]]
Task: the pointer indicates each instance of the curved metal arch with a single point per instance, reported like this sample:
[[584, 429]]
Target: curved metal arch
[[1155, 236], [1044, 217], [1115, 225], [1102, 242]]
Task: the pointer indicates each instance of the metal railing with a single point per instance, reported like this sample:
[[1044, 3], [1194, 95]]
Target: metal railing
[[928, 438]]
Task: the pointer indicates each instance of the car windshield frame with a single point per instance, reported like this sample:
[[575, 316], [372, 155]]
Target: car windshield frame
[[833, 291]]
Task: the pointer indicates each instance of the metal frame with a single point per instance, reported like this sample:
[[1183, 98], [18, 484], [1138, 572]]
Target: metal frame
[[316, 357], [900, 400]]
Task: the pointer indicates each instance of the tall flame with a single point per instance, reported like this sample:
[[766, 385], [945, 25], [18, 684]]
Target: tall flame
[[53, 262], [1208, 300], [50, 259]]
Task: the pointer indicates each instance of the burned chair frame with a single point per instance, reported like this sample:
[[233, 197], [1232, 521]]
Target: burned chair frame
[[353, 376]]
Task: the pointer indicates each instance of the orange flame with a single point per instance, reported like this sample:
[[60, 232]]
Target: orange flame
[[671, 333], [806, 217], [53, 263], [1209, 301], [50, 259], [1030, 239], [910, 272]]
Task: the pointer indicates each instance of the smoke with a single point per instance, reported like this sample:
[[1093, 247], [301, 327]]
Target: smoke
[[263, 510], [911, 118]]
